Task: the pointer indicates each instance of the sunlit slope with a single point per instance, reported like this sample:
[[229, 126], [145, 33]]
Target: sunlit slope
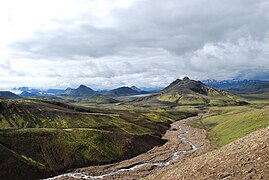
[[227, 124], [190, 92], [53, 136]]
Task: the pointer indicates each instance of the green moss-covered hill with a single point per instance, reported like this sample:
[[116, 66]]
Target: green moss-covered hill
[[191, 92], [40, 137]]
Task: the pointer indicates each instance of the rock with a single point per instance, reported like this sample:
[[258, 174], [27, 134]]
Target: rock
[[224, 175]]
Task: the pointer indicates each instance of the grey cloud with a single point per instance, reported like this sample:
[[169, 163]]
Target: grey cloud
[[154, 42], [175, 26]]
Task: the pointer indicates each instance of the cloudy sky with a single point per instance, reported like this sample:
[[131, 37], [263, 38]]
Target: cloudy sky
[[149, 43]]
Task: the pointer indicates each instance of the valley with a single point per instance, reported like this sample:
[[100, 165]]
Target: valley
[[133, 137]]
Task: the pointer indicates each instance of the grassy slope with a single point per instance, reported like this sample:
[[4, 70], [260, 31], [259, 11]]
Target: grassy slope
[[226, 124], [212, 98], [53, 136]]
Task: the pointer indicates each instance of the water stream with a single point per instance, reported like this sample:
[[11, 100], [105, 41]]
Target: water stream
[[174, 156]]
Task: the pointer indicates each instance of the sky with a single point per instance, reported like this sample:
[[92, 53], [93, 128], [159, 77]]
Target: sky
[[148, 43]]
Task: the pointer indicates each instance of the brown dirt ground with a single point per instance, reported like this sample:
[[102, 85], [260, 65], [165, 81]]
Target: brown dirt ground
[[247, 158]]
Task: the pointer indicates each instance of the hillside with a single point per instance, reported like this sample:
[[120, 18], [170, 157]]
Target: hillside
[[81, 91], [190, 92], [246, 158], [259, 87], [8, 94], [227, 124], [52, 136]]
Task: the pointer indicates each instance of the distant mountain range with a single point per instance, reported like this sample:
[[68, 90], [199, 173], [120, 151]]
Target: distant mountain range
[[32, 92], [256, 88], [235, 86], [229, 84], [81, 91]]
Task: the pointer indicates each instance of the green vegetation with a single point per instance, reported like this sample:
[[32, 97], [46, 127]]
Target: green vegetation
[[173, 98], [190, 92], [226, 124], [53, 136]]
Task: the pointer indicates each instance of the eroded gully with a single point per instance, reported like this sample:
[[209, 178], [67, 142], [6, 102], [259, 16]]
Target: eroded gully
[[178, 145]]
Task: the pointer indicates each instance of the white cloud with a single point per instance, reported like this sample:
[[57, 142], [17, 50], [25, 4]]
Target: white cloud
[[108, 43]]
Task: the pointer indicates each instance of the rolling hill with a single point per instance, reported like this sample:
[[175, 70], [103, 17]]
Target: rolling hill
[[259, 87], [9, 95], [191, 92], [48, 137], [124, 91]]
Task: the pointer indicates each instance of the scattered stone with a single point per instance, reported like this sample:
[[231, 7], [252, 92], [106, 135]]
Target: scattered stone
[[224, 175]]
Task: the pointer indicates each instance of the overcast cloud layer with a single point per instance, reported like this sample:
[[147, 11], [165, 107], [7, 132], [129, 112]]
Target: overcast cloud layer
[[110, 43]]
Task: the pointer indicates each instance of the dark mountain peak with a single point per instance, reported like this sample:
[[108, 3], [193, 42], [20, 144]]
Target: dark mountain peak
[[133, 86], [82, 90], [136, 89], [186, 86], [83, 87], [122, 91]]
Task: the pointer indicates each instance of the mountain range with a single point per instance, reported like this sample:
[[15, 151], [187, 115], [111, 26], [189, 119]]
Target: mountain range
[[234, 86], [81, 91], [229, 84]]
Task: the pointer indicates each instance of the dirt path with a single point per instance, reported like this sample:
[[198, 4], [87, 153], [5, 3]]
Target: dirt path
[[183, 142]]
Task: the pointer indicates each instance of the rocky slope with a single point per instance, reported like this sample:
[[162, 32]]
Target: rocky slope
[[247, 158]]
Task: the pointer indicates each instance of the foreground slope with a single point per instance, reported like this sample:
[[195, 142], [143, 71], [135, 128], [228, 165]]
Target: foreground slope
[[227, 124], [246, 158], [48, 137], [191, 92]]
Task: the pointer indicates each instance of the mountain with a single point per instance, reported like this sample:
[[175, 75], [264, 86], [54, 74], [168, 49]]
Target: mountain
[[122, 91], [191, 92], [22, 88], [136, 89], [229, 84], [29, 94], [53, 91], [9, 95], [81, 91], [40, 92]]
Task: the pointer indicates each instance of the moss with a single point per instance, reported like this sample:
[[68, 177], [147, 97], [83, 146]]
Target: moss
[[172, 98], [30, 161], [231, 123]]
